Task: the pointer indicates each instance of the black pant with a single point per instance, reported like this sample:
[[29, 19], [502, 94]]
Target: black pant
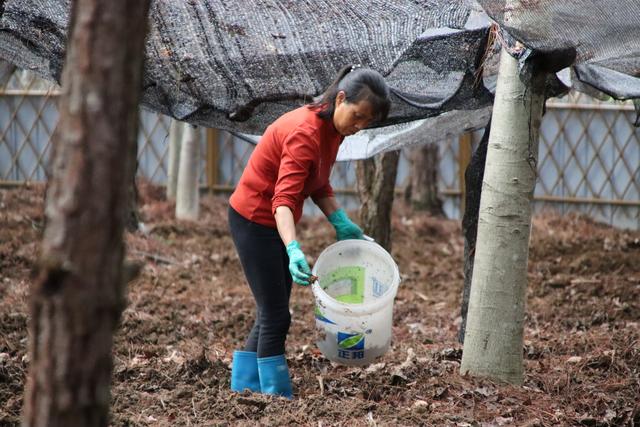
[[266, 266]]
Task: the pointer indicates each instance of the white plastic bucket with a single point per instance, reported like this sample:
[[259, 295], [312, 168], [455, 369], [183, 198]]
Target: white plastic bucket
[[357, 283]]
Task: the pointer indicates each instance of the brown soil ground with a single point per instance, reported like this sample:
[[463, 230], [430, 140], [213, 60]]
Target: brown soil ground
[[190, 308]]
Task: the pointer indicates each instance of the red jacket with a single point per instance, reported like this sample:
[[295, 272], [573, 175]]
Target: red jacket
[[292, 161]]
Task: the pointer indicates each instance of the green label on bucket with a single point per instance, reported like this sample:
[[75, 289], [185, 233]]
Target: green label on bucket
[[350, 346], [345, 284]]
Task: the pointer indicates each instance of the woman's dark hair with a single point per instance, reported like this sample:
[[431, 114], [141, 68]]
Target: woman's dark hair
[[358, 84]]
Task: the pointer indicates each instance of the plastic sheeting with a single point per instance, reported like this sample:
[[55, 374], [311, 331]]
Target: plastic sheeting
[[369, 142]]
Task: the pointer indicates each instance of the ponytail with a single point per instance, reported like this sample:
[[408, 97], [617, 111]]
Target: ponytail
[[328, 97]]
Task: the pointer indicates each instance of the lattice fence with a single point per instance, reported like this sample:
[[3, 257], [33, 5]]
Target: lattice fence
[[28, 116], [588, 158]]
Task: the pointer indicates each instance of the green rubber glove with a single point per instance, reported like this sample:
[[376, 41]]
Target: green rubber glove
[[298, 267], [345, 228]]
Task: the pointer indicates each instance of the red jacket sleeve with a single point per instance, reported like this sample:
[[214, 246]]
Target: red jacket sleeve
[[322, 192], [299, 153]]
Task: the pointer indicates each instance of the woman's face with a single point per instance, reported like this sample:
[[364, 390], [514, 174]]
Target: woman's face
[[349, 118]]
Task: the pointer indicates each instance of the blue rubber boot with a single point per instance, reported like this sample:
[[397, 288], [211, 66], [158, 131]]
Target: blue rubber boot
[[274, 376], [244, 371]]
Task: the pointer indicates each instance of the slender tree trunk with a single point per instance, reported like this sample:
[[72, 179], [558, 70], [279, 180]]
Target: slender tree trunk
[[376, 180], [188, 197], [422, 191], [495, 322], [473, 185], [175, 143], [133, 214], [77, 298]]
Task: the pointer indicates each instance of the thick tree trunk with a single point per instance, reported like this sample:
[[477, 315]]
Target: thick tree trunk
[[188, 194], [422, 190], [77, 298], [175, 144], [473, 186], [495, 322], [376, 180]]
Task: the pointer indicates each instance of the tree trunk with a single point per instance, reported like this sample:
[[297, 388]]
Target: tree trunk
[[376, 180], [495, 323], [175, 143], [473, 185], [188, 197], [133, 215], [77, 298], [422, 190]]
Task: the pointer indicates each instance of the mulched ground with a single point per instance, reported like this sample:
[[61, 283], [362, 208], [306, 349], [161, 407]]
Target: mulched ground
[[190, 308]]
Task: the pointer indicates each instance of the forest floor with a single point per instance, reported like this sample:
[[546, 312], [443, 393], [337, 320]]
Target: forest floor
[[190, 308]]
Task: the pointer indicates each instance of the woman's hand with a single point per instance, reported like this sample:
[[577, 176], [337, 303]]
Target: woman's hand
[[345, 228], [298, 267]]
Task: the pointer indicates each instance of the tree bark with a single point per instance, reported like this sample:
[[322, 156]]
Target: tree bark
[[495, 322], [376, 180], [175, 144], [188, 194], [422, 191], [473, 185], [77, 298], [133, 214]]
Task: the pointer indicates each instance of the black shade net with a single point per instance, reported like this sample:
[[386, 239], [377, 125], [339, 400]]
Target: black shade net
[[605, 35], [239, 64]]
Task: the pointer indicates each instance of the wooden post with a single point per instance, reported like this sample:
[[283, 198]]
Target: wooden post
[[188, 194], [464, 157], [175, 145], [212, 158]]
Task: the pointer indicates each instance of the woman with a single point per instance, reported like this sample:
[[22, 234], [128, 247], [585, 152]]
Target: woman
[[292, 162]]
